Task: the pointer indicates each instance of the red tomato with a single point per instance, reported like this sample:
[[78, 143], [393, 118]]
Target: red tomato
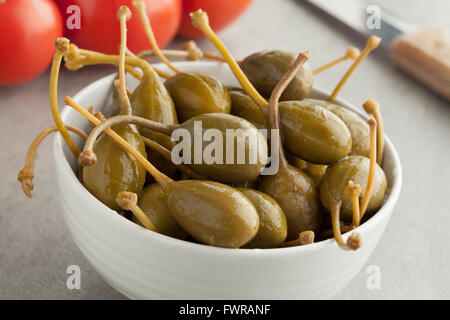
[[100, 29], [28, 30], [220, 12]]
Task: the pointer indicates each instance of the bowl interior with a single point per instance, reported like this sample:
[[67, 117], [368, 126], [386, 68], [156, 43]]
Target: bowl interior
[[98, 95]]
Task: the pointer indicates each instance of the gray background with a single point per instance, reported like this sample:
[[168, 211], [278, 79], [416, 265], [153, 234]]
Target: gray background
[[413, 255]]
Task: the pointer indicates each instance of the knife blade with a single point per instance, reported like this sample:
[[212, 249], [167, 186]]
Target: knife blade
[[422, 53]]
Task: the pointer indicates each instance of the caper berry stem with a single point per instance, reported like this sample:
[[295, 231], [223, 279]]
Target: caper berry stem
[[123, 14], [354, 190], [168, 156], [128, 201], [133, 72], [373, 161], [161, 73], [354, 241], [97, 114], [167, 53], [276, 94], [351, 53], [140, 7], [195, 53], [161, 178], [149, 143], [200, 21], [26, 175], [190, 51], [304, 238], [329, 233], [335, 221], [88, 157], [78, 54], [62, 45], [117, 86], [371, 44], [372, 107], [156, 147], [77, 58], [122, 119], [212, 55]]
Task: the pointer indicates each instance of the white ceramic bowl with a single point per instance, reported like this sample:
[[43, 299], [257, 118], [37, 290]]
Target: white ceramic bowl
[[144, 264]]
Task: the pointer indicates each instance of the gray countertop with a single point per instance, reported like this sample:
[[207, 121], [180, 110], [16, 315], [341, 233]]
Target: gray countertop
[[413, 257]]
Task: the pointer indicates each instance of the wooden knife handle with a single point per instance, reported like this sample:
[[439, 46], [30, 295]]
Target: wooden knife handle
[[426, 56]]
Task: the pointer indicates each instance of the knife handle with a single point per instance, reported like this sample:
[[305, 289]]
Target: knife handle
[[426, 56]]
